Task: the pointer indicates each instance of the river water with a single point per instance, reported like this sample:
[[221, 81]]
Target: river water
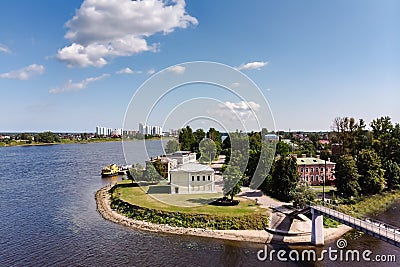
[[48, 217]]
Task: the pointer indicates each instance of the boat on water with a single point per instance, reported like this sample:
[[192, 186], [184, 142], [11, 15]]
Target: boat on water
[[110, 170]]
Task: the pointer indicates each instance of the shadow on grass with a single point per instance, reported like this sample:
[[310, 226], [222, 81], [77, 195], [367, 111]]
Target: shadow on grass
[[203, 201]]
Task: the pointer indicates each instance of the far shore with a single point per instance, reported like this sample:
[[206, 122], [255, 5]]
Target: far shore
[[255, 236], [83, 142]]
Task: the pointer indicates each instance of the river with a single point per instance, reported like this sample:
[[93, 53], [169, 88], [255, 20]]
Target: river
[[48, 217]]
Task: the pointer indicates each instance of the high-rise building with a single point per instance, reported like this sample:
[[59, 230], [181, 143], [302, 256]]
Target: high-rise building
[[149, 129]]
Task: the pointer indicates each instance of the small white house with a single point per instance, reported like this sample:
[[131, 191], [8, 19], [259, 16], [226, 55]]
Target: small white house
[[192, 178]]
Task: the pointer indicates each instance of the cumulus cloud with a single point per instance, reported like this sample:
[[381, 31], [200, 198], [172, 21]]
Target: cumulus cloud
[[24, 73], [77, 86], [4, 49], [252, 65], [151, 71], [177, 69], [128, 71], [242, 109], [103, 29]]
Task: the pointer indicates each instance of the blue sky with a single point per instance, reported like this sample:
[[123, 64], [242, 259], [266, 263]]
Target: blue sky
[[66, 67]]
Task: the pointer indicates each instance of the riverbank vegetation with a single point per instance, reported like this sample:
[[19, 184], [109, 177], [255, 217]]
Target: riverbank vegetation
[[133, 202], [49, 138]]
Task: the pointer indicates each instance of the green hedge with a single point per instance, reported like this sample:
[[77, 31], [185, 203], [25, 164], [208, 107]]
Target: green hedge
[[253, 222]]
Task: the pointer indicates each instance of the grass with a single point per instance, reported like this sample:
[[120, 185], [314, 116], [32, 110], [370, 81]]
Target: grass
[[330, 223], [134, 202], [319, 188], [372, 205], [188, 203]]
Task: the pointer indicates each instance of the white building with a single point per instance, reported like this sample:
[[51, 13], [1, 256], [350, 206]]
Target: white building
[[149, 129], [191, 178], [103, 131], [117, 131], [183, 157], [271, 138]]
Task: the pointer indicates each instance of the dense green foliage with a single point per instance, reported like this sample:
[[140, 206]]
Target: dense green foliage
[[369, 167], [284, 179], [302, 195], [208, 150], [171, 146], [392, 174], [377, 154], [151, 173], [136, 173], [190, 141], [232, 181], [46, 137], [347, 176]]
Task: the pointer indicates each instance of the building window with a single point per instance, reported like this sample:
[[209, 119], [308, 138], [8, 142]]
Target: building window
[[204, 177], [192, 177], [209, 178], [301, 169], [312, 178], [198, 177], [307, 178], [306, 169], [312, 169], [316, 177]]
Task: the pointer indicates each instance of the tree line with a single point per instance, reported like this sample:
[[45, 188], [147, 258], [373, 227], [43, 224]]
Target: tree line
[[367, 161]]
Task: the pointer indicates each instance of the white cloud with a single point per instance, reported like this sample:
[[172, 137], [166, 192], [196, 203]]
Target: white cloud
[[4, 49], [235, 84], [177, 69], [243, 109], [128, 71], [252, 65], [24, 73], [151, 71], [101, 29], [77, 86]]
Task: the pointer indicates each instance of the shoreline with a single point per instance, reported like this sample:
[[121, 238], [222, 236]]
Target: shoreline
[[120, 140], [255, 236]]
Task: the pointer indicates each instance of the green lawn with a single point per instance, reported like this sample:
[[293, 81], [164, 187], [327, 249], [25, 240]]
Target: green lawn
[[188, 203], [319, 188]]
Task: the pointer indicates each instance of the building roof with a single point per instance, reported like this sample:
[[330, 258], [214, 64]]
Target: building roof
[[312, 161], [192, 167]]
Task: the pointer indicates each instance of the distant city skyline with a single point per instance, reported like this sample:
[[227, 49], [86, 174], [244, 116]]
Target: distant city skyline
[[67, 69]]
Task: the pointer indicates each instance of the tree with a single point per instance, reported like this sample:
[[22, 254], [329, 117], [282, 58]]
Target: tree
[[216, 137], [232, 181], [186, 138], [159, 168], [26, 136], [150, 173], [259, 166], [199, 135], [208, 150], [171, 146], [46, 137], [392, 174], [302, 195], [136, 173], [347, 176], [282, 149], [344, 134], [284, 178], [369, 167]]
